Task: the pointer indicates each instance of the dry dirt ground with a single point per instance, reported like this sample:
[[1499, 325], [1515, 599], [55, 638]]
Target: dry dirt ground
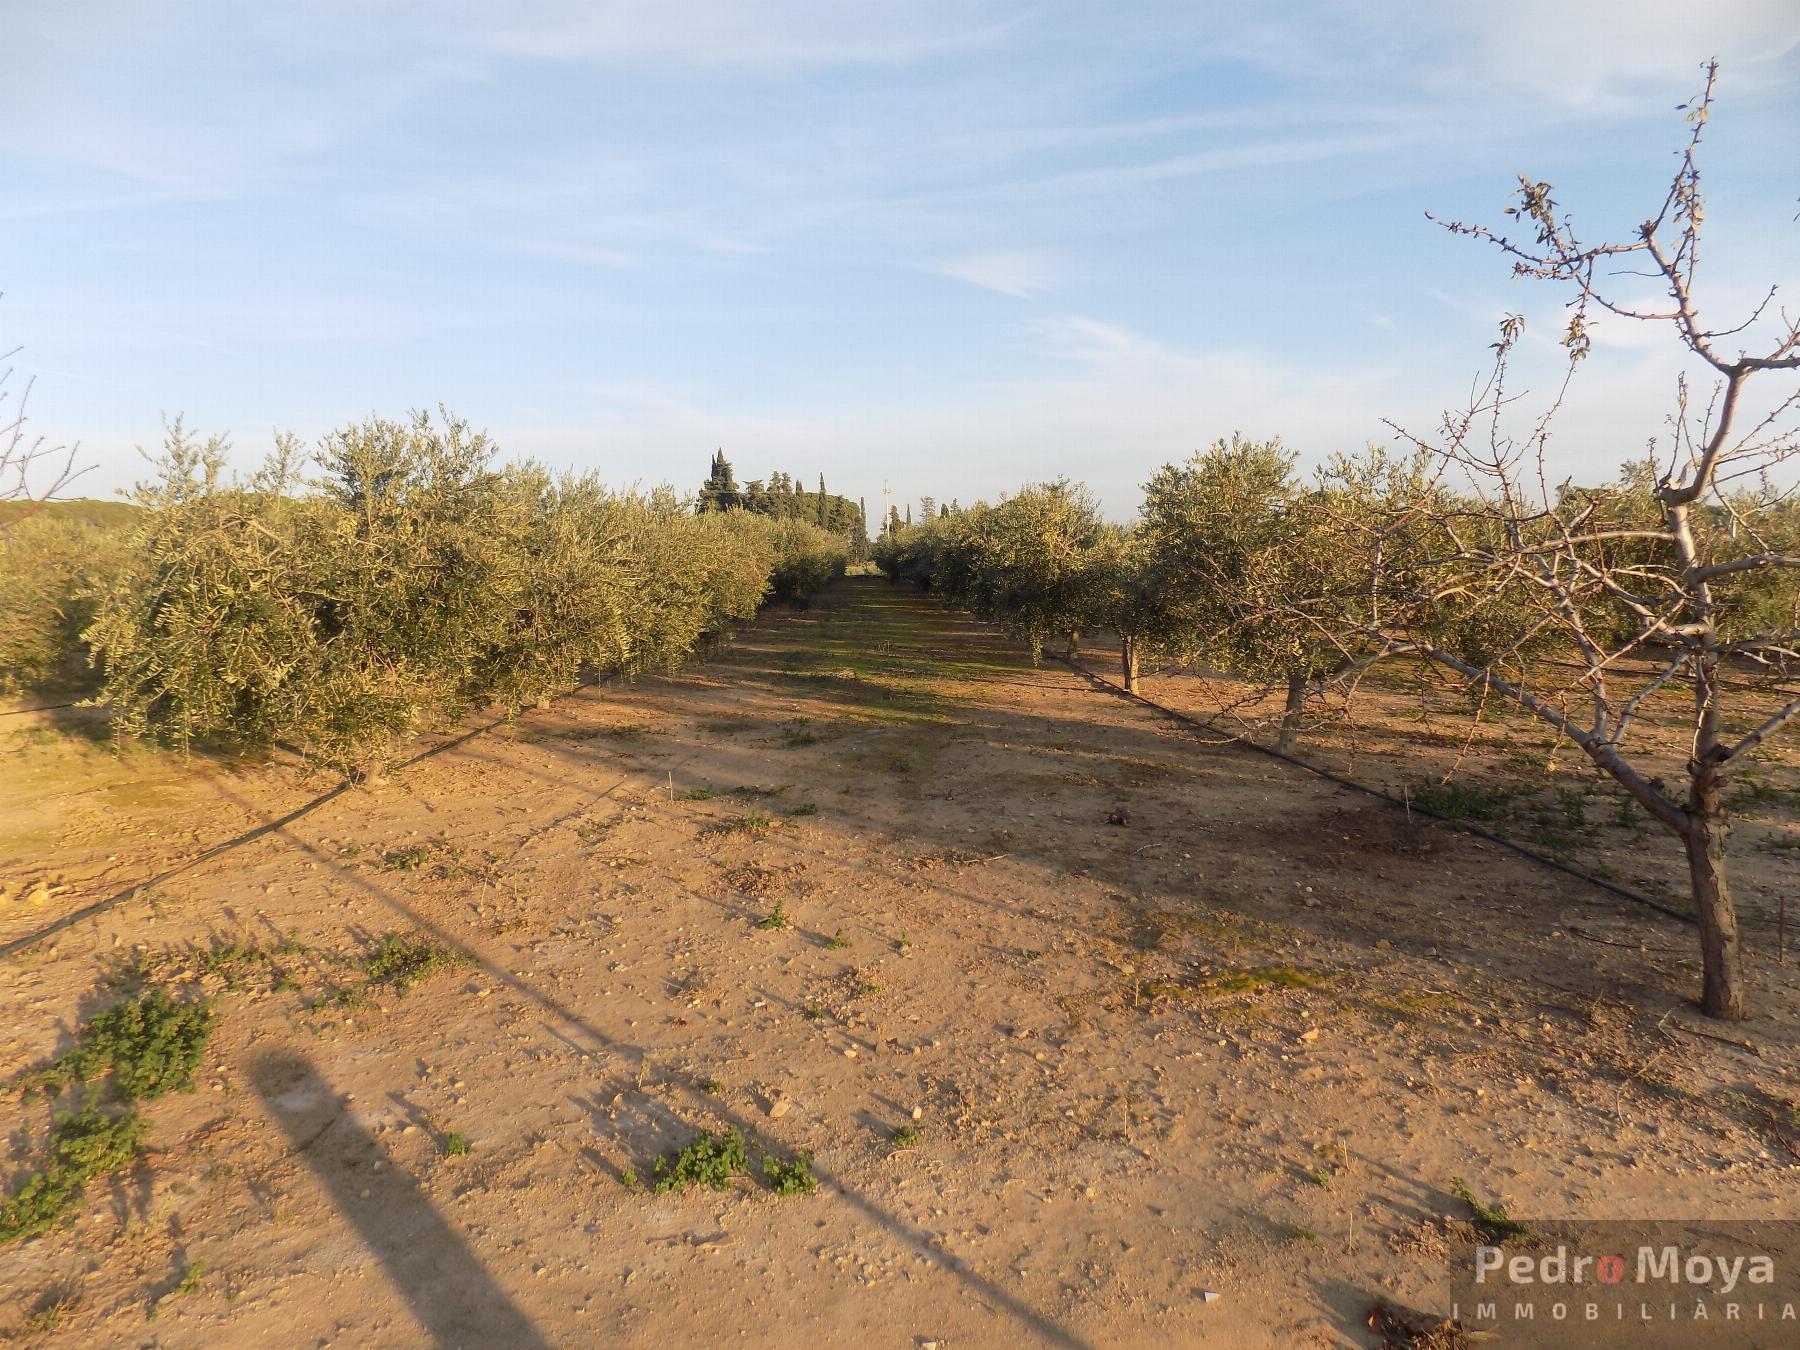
[[852, 879]]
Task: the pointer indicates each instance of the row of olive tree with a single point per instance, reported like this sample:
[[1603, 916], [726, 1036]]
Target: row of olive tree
[[413, 581], [1590, 608], [1234, 560]]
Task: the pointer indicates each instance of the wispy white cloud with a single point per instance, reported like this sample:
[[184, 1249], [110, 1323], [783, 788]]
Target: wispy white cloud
[[1022, 273], [773, 34]]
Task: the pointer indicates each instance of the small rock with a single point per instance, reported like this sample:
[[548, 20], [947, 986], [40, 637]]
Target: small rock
[[1209, 1295], [779, 1108], [1310, 1034]]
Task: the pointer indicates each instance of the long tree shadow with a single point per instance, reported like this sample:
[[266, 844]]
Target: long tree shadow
[[449, 1291], [600, 1046]]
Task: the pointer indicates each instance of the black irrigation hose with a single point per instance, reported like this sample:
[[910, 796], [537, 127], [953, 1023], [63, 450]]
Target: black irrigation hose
[[48, 707], [1352, 784]]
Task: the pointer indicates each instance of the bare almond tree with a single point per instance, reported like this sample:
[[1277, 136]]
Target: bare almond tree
[[1583, 606], [31, 469]]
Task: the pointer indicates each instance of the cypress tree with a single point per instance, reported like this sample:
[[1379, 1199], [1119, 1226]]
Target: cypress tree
[[720, 491]]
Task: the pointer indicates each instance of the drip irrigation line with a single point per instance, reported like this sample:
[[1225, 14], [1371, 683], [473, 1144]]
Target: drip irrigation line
[[1411, 807], [48, 707]]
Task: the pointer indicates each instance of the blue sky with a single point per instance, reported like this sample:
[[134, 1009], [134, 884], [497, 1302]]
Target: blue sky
[[945, 246]]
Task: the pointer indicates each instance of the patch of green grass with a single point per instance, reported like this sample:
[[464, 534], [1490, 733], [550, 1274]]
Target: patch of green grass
[[406, 859], [712, 1087], [150, 1044], [804, 809], [814, 1011], [907, 1136], [1294, 1232], [1463, 800], [727, 726], [837, 942], [83, 1145], [712, 1160], [791, 1178], [796, 738], [751, 823], [1753, 792], [775, 918], [403, 960], [702, 794], [457, 1145], [628, 1179], [50, 1310], [1255, 979], [187, 1284], [1490, 1220]]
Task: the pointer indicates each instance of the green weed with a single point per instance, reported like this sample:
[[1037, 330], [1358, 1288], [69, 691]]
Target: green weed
[[83, 1145], [712, 1160], [187, 1284], [150, 1044], [402, 960], [791, 1178], [1490, 1220], [1463, 800], [752, 823], [406, 859]]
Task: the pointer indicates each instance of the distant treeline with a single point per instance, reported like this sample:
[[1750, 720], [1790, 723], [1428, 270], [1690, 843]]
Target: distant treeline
[[782, 496]]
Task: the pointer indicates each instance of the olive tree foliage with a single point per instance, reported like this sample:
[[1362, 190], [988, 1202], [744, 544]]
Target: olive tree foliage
[[1127, 592], [51, 563], [1591, 607], [1256, 568], [807, 557], [410, 582], [1026, 562]]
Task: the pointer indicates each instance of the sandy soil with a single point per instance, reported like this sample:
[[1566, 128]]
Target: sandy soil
[[1240, 1042]]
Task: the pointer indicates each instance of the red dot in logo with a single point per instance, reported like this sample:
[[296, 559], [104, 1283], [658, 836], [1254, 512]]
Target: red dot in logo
[[1609, 1269]]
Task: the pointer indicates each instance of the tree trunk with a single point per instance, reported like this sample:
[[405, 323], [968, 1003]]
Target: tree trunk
[[1290, 715], [1128, 661], [1074, 644], [1722, 993]]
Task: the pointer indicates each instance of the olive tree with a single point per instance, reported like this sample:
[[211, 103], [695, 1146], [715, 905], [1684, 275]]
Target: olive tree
[[1257, 567]]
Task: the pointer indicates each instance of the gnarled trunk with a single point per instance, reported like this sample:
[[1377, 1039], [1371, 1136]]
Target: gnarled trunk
[[1128, 661], [1722, 992], [1290, 715]]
